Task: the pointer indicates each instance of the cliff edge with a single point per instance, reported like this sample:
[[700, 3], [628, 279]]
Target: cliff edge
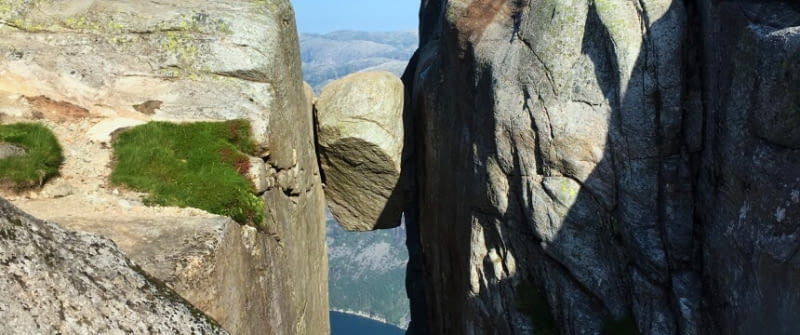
[[588, 167], [88, 69], [58, 281]]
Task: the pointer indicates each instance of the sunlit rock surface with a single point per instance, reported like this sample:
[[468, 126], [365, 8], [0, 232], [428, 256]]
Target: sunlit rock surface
[[74, 64], [360, 136]]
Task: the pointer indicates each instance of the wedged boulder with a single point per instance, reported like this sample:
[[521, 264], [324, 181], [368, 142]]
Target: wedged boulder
[[59, 281], [360, 137]]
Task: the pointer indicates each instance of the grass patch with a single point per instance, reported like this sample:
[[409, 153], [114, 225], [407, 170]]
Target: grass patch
[[533, 303], [197, 165], [40, 163]]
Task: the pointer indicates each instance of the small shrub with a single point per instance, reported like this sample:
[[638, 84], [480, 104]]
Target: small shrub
[[40, 163], [197, 165]]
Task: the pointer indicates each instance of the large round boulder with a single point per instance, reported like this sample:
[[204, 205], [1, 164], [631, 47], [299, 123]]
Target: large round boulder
[[360, 135]]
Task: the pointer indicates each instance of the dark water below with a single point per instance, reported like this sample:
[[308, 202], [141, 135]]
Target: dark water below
[[348, 324]]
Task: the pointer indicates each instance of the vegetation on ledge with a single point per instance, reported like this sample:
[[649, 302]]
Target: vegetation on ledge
[[199, 165], [40, 162]]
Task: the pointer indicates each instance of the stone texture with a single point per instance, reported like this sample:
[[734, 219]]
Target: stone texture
[[750, 182], [628, 160], [258, 174], [59, 281], [8, 150], [211, 261], [360, 136], [172, 60], [67, 62], [103, 131]]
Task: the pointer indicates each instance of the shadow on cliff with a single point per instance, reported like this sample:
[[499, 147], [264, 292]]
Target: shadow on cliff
[[619, 250], [558, 251]]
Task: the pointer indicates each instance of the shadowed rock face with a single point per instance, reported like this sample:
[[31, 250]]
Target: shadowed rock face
[[360, 136], [59, 281], [608, 160]]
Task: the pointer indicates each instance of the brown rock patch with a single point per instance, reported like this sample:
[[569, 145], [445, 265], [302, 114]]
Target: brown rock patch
[[45, 107], [148, 107]]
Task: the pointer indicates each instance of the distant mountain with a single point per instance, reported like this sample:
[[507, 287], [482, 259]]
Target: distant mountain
[[367, 272], [330, 56]]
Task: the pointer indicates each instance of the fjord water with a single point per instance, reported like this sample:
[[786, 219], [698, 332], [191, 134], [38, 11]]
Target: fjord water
[[349, 324]]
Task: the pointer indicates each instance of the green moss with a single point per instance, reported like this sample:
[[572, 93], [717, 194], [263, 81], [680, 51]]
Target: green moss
[[42, 161], [13, 7], [197, 165], [623, 326], [533, 303], [180, 40], [14, 13]]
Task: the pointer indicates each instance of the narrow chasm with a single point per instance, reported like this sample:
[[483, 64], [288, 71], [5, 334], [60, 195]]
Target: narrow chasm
[[360, 135]]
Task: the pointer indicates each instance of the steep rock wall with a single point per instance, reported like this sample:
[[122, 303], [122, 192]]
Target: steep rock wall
[[749, 185], [73, 64], [587, 166]]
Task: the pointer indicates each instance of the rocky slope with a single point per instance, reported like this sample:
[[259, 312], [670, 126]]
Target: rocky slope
[[588, 166], [58, 281], [78, 66]]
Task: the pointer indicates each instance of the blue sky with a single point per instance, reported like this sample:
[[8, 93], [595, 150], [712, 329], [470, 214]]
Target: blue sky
[[323, 16]]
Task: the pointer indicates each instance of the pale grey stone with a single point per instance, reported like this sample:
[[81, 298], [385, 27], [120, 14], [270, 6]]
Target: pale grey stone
[[60, 281]]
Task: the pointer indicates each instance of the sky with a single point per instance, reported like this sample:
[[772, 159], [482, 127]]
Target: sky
[[324, 16]]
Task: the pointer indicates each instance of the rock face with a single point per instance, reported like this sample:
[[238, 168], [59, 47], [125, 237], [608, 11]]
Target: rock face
[[611, 163], [86, 61], [749, 186], [174, 60], [104, 131], [211, 261], [8, 150], [58, 281], [360, 136]]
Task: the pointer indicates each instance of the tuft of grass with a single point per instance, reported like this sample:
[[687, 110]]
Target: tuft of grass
[[533, 303], [42, 161], [199, 165]]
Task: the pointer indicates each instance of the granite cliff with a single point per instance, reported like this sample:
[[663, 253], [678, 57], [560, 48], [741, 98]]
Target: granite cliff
[[572, 167], [59, 281], [584, 167], [89, 68]]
